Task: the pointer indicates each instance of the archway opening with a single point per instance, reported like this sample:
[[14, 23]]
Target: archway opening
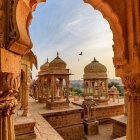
[[78, 34]]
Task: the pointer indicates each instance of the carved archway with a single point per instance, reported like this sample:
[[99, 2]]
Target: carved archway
[[124, 19], [118, 35]]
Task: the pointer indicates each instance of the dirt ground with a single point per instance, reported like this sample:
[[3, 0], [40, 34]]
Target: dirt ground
[[105, 132]]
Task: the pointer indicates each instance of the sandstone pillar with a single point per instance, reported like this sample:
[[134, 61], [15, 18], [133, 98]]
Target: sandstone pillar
[[98, 85], [52, 88], [39, 87], [85, 89], [61, 88], [106, 87], [26, 98], [9, 84], [132, 83], [89, 85], [67, 90], [93, 89]]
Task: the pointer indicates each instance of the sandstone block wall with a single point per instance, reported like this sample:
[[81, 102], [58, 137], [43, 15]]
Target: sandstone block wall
[[68, 124]]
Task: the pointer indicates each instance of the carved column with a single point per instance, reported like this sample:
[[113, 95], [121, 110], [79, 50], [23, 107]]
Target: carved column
[[106, 87], [98, 85], [89, 85], [52, 88], [85, 89], [67, 89], [61, 88], [93, 88], [9, 84], [132, 83], [26, 98]]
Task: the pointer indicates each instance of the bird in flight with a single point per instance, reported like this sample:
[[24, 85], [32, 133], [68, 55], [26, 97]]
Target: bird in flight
[[81, 53]]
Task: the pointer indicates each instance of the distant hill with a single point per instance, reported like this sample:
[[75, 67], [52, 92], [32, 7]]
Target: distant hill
[[77, 83]]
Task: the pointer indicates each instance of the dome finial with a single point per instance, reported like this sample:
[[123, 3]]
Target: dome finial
[[57, 54], [95, 60]]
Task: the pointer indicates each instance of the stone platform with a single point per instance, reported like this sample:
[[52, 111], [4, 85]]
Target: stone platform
[[104, 112], [57, 104], [119, 126], [67, 123], [24, 128]]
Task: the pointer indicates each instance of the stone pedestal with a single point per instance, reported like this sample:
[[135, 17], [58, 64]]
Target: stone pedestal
[[57, 104], [91, 127], [24, 128]]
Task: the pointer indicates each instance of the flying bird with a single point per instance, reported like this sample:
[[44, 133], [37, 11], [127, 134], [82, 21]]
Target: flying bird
[[81, 53]]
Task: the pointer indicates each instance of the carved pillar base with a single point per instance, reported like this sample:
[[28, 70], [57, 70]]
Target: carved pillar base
[[133, 107], [6, 119], [91, 127]]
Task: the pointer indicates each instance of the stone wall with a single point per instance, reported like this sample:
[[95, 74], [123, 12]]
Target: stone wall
[[109, 111], [119, 129], [119, 126], [68, 124]]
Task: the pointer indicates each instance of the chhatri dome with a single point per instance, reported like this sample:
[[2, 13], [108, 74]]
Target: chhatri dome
[[57, 62], [45, 66], [95, 70]]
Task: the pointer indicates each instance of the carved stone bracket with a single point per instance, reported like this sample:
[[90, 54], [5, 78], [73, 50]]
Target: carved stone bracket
[[11, 33], [132, 83]]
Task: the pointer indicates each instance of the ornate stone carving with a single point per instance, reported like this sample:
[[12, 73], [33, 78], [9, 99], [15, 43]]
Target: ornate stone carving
[[89, 103], [11, 33], [9, 84], [132, 83], [109, 13]]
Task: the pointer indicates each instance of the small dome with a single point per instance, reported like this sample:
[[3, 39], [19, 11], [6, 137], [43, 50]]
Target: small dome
[[44, 66], [57, 62], [113, 88], [95, 67]]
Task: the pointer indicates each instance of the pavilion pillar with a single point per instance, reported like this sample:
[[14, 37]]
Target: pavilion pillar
[[52, 88], [132, 83], [67, 89], [61, 88], [98, 84], [93, 89], [42, 88], [39, 87], [85, 89], [47, 89], [89, 85], [106, 87], [26, 99]]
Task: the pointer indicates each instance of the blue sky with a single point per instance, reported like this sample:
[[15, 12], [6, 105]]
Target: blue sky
[[69, 27]]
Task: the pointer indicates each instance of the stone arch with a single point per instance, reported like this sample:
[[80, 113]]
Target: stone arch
[[107, 11], [116, 27]]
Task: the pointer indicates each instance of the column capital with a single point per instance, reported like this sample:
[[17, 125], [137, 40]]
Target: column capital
[[132, 83]]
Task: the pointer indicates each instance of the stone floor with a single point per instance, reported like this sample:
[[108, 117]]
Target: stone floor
[[45, 131], [105, 132]]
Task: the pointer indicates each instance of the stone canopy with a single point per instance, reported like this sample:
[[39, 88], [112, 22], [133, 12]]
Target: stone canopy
[[95, 70], [56, 66]]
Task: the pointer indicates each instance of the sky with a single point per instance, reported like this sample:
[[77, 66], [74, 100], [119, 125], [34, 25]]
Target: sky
[[69, 27]]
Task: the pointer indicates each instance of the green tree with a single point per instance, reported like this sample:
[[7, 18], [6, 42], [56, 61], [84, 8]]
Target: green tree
[[78, 92], [118, 86]]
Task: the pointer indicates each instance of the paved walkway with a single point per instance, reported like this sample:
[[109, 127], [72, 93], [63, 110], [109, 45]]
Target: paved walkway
[[43, 129]]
